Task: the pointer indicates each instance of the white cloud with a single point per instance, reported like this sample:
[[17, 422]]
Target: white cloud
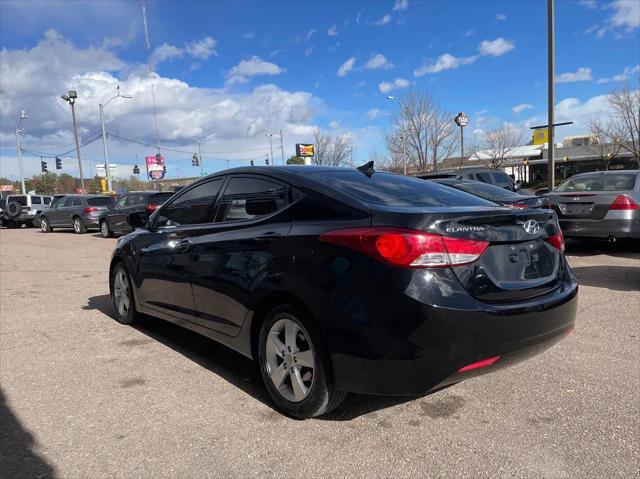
[[581, 74], [383, 21], [522, 107], [202, 49], [310, 33], [626, 14], [378, 62], [386, 87], [468, 33], [333, 31], [334, 125], [308, 51], [590, 4], [374, 113], [243, 71], [166, 52], [400, 5], [248, 35], [361, 84], [34, 78], [579, 112], [501, 17], [444, 62], [346, 67], [495, 48], [624, 76]]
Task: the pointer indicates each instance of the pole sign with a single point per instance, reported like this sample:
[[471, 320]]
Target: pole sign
[[155, 167], [462, 119], [305, 149]]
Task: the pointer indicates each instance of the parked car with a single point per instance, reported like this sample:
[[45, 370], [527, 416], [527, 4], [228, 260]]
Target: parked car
[[3, 205], [495, 193], [477, 173], [24, 209], [339, 280], [604, 204], [79, 212], [116, 220]]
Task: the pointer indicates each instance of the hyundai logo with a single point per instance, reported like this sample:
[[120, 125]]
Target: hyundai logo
[[531, 227]]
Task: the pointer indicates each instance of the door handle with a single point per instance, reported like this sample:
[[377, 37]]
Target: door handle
[[270, 236], [181, 246]]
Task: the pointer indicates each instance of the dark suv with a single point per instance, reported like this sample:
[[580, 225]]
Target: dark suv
[[79, 212], [116, 220], [479, 173]]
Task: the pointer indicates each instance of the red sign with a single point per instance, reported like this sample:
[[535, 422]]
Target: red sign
[[6, 187], [155, 167]]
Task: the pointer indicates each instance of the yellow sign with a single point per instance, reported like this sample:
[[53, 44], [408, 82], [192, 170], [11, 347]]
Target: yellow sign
[[103, 185], [540, 136]]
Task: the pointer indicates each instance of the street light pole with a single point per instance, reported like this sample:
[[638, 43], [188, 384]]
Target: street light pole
[[104, 136], [402, 133], [23, 115], [71, 99], [270, 135], [200, 156], [281, 147], [551, 74], [461, 120]]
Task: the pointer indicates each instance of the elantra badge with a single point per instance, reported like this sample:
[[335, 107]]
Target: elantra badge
[[531, 227]]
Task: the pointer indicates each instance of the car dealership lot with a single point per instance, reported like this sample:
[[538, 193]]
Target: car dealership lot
[[83, 396]]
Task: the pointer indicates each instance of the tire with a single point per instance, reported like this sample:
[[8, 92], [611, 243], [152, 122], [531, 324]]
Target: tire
[[298, 363], [35, 223], [122, 295], [45, 227], [13, 209], [78, 225], [105, 230]]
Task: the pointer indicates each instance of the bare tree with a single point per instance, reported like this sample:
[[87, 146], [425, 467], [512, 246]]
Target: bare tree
[[423, 133], [331, 150], [604, 140], [498, 144], [625, 119], [386, 162]]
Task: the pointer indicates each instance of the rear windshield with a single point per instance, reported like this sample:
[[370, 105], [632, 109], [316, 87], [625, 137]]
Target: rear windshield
[[395, 190], [19, 199], [100, 201], [600, 182], [484, 190], [159, 198]]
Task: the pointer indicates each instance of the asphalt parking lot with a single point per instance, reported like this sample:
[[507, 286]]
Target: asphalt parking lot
[[82, 396]]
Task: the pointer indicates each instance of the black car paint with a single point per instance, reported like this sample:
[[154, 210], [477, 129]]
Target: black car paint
[[501, 196], [387, 330]]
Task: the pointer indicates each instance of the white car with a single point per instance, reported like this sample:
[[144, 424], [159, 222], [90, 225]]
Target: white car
[[24, 209]]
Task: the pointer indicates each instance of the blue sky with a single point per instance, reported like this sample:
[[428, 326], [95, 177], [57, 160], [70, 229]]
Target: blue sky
[[229, 72]]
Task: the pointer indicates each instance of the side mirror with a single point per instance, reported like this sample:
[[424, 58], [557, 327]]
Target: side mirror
[[517, 185], [139, 220], [541, 191]]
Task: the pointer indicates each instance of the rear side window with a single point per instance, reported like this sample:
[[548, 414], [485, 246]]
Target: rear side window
[[501, 179], [395, 190], [194, 207], [76, 202], [100, 201], [249, 198], [47, 200], [135, 199], [36, 200], [484, 177], [599, 182]]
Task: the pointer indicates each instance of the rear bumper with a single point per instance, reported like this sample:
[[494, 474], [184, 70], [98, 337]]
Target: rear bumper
[[439, 341], [621, 224]]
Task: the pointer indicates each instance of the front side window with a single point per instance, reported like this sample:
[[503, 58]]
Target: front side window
[[121, 201], [68, 201], [247, 198], [47, 200], [36, 200], [501, 179], [484, 177], [193, 207]]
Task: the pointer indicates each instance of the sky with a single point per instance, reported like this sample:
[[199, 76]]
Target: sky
[[227, 74]]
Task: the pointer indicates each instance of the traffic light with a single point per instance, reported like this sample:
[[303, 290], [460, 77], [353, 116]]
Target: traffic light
[[158, 158], [164, 169], [136, 170], [251, 162], [266, 161], [43, 166], [195, 161], [58, 163]]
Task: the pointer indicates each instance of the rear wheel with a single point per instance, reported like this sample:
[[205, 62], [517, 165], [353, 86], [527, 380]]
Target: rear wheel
[[78, 225], [122, 295], [105, 230], [45, 227], [294, 366]]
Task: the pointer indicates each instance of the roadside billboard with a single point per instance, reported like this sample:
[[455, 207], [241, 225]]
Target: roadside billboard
[[155, 167], [305, 149]]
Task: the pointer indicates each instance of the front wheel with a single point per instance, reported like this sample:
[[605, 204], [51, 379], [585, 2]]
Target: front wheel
[[105, 230], [294, 366], [45, 227], [122, 295], [78, 226]]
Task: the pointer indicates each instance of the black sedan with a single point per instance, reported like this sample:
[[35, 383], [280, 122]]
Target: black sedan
[[495, 193], [116, 219], [341, 280]]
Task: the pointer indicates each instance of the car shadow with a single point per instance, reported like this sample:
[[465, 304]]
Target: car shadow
[[232, 366], [586, 247], [17, 455], [616, 278]]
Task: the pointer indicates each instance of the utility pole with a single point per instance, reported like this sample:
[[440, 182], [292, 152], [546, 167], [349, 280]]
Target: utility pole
[[270, 135], [23, 115], [71, 99], [200, 156], [551, 79], [282, 147], [104, 147]]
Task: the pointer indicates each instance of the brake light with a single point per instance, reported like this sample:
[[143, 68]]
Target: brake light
[[152, 208], [483, 363], [90, 209], [408, 248], [557, 241], [520, 205], [623, 202]]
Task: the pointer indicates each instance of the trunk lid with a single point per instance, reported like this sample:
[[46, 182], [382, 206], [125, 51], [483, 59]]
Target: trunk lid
[[582, 205]]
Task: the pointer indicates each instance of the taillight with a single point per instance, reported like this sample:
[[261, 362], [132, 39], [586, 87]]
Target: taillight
[[483, 363], [557, 241], [623, 202], [520, 205], [408, 248], [90, 209], [152, 208]]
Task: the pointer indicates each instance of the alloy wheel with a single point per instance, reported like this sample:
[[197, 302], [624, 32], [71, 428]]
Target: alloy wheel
[[77, 227], [121, 293], [43, 225], [104, 229], [290, 360]]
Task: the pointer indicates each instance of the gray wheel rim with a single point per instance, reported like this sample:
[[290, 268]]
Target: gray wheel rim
[[76, 225], [105, 229], [121, 292], [43, 224], [289, 359]]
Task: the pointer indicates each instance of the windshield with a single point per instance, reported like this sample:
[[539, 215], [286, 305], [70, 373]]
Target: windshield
[[600, 182]]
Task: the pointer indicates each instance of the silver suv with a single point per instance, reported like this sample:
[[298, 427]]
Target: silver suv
[[24, 209]]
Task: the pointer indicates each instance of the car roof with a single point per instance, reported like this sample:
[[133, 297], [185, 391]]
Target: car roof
[[609, 172]]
